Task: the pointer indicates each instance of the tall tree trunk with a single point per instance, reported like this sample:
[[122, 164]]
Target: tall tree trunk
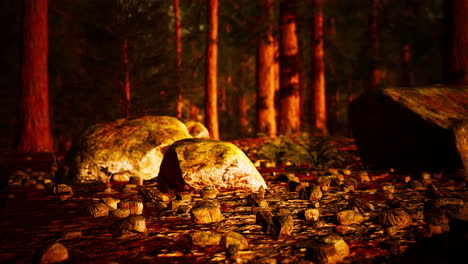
[[126, 85], [266, 117], [289, 94], [178, 46], [318, 70], [374, 72], [211, 94], [456, 51], [405, 67], [34, 113]]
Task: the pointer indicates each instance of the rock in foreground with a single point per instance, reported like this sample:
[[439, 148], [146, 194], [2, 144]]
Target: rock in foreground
[[122, 149], [199, 163]]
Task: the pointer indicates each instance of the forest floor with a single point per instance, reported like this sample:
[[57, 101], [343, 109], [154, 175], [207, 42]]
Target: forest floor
[[32, 218]]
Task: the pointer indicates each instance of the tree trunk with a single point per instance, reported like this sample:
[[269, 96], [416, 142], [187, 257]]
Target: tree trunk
[[318, 71], [266, 119], [34, 113], [243, 119], [178, 46], [456, 51], [405, 67], [126, 85], [289, 94], [374, 72], [211, 108]]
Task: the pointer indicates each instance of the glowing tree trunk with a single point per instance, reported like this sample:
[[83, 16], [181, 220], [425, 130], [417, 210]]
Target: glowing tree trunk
[[405, 67], [456, 56], [289, 94], [178, 46], [35, 133], [374, 72], [318, 71], [126, 85], [211, 108], [266, 117]]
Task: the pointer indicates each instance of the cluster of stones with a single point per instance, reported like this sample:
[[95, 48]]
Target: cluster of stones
[[32, 179]]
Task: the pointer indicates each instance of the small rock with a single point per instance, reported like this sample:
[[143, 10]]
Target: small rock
[[312, 193], [54, 253], [311, 214], [135, 207], [206, 214], [136, 180], [63, 189], [112, 202], [184, 209], [99, 209], [257, 200], [279, 225], [324, 182], [348, 217], [131, 224], [346, 172], [175, 204], [363, 177], [394, 217], [329, 249], [120, 177], [186, 196], [205, 238], [119, 213], [40, 186], [234, 238], [388, 188], [152, 195], [263, 216], [209, 193]]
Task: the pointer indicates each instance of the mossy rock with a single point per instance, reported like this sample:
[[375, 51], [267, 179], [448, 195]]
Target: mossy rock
[[197, 129], [134, 147], [197, 163]]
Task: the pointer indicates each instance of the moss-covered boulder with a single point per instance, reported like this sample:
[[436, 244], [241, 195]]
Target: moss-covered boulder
[[128, 147], [198, 163], [197, 129], [411, 128]]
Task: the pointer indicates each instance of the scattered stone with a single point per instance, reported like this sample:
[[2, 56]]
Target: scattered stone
[[197, 163], [40, 186], [394, 217], [120, 177], [205, 238], [263, 216], [337, 180], [184, 196], [53, 253], [135, 207], [388, 188], [311, 214], [99, 209], [120, 212], [362, 205], [209, 193], [184, 209], [175, 204], [131, 224], [112, 202], [257, 200], [278, 225], [234, 238], [329, 249], [63, 189], [363, 177], [312, 193], [206, 214], [151, 195], [348, 217]]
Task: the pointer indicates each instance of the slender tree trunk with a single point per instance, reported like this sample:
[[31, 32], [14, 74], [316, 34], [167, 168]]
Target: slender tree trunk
[[289, 94], [318, 71], [266, 121], [456, 51], [405, 67], [178, 46], [211, 94], [126, 85], [34, 113], [374, 72]]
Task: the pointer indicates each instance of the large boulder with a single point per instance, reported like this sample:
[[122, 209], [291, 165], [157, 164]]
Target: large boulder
[[411, 128], [197, 163], [122, 149]]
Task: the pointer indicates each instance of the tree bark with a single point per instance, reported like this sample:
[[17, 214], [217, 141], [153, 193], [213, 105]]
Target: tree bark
[[34, 113], [318, 70], [265, 77], [211, 95], [289, 94], [178, 47], [456, 51], [374, 72], [126, 85]]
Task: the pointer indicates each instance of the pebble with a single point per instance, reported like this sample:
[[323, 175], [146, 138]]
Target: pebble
[[119, 213], [234, 238], [131, 224], [349, 217], [112, 202], [312, 193], [311, 214], [209, 193], [394, 217], [205, 238], [206, 214], [98, 209], [54, 253], [328, 249]]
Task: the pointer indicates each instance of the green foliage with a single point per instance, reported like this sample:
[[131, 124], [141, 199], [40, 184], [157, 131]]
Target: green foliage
[[319, 152]]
